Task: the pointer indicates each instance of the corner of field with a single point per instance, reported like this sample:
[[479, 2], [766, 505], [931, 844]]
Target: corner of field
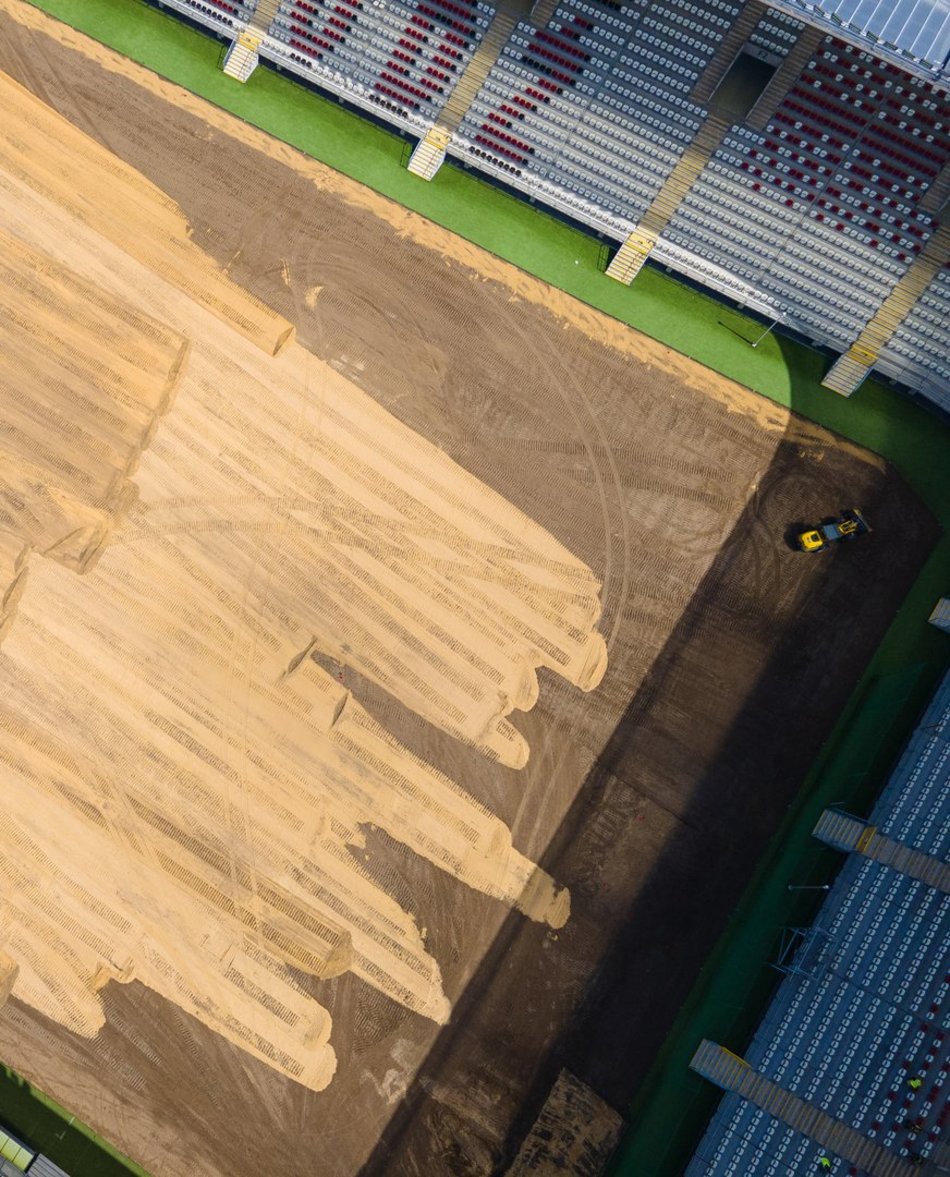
[[49, 1128]]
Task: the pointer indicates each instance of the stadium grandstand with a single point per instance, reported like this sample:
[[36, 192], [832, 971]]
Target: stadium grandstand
[[793, 157], [848, 1071], [16, 1158]]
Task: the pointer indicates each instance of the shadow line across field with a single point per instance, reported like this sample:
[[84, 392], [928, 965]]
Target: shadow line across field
[[723, 865], [670, 1104], [671, 1108]]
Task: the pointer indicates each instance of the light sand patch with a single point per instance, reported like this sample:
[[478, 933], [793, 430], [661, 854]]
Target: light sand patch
[[86, 379], [14, 565], [483, 265], [104, 193], [184, 784]]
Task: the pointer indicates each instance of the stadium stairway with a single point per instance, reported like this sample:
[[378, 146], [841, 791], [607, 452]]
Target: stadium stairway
[[474, 76], [784, 77], [938, 193], [542, 12], [241, 59], [941, 615], [629, 259], [850, 369], [429, 153], [852, 835], [263, 14], [731, 1073], [727, 51]]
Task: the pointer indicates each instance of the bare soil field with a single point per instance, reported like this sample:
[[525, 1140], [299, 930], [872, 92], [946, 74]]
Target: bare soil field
[[573, 492]]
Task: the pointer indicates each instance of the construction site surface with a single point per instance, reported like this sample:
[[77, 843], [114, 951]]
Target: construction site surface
[[402, 666]]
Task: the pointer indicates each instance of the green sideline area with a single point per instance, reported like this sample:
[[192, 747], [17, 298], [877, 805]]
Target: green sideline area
[[732, 990], [46, 1127]]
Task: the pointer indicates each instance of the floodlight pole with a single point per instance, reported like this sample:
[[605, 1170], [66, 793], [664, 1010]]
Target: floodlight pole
[[767, 331], [808, 887]]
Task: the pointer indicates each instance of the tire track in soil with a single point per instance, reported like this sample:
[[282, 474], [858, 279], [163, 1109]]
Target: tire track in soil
[[639, 482], [628, 454], [560, 700], [373, 1017], [50, 86], [555, 692], [562, 703], [590, 443]]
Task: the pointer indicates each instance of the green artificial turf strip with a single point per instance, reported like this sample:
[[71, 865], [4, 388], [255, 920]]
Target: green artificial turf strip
[[48, 1128], [729, 998]]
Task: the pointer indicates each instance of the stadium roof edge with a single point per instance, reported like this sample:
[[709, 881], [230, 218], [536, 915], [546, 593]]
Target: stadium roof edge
[[912, 34]]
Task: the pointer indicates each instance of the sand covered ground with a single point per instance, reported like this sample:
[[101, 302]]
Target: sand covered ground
[[380, 632]]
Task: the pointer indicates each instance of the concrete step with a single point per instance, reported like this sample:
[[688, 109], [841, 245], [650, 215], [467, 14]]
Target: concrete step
[[938, 193], [683, 176], [429, 154], [264, 14], [839, 830], [846, 374], [785, 77], [940, 617], [850, 834], [718, 1065], [911, 862], [241, 58], [628, 261], [892, 312], [542, 12], [476, 72]]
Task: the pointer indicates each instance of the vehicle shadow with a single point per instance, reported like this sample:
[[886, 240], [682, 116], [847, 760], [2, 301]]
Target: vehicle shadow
[[792, 533]]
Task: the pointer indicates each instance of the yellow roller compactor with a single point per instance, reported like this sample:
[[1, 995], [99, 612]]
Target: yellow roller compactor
[[849, 525]]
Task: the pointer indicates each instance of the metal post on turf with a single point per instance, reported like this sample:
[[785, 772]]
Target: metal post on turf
[[60, 1135], [767, 331]]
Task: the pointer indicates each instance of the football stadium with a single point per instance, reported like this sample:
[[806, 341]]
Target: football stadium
[[474, 588]]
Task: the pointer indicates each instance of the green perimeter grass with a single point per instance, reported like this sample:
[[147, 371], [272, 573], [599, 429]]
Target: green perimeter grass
[[569, 259], [45, 1126], [661, 307], [733, 987], [673, 1107]]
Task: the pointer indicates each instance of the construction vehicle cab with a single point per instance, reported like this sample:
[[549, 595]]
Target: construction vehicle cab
[[849, 525]]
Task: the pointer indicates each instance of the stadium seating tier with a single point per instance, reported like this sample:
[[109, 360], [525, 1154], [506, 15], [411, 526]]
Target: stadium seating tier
[[813, 219]]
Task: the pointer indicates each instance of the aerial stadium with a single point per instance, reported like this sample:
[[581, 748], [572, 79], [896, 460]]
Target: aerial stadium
[[474, 622]]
